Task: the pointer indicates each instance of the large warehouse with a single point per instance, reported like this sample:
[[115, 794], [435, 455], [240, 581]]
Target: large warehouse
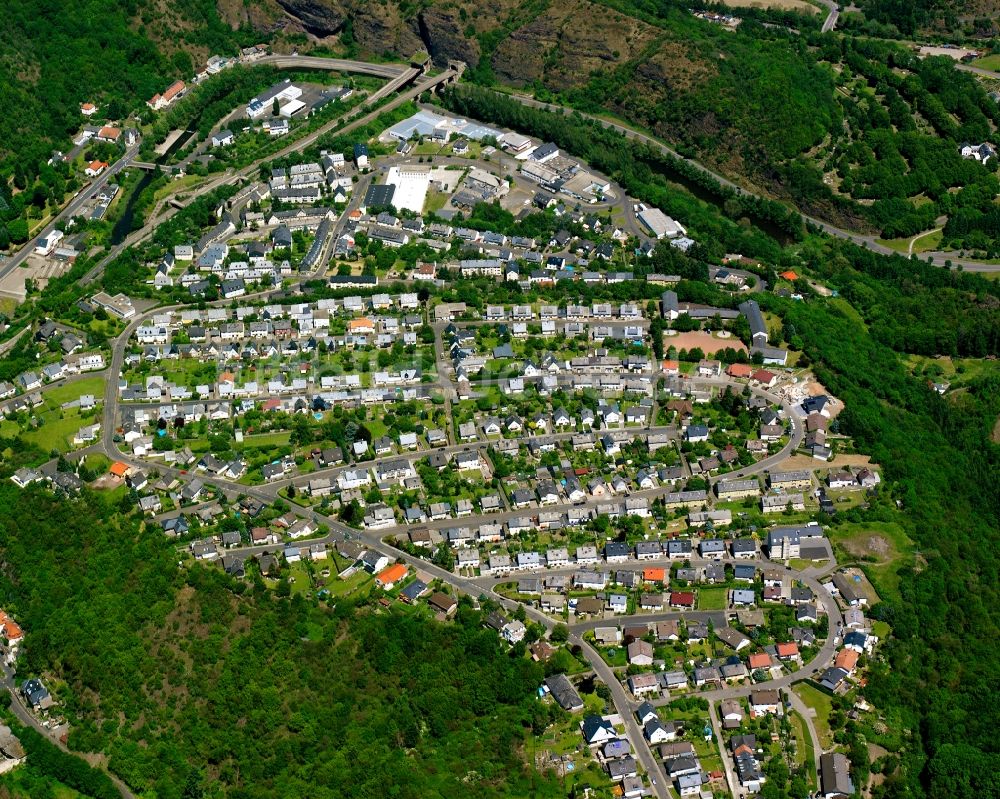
[[659, 224]]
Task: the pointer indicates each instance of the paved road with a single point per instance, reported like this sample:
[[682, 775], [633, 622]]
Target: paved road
[[831, 18], [27, 718], [72, 207], [862, 240], [282, 61]]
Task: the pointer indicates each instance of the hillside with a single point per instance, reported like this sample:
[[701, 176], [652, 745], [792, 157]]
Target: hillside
[[62, 54], [199, 682], [969, 18], [853, 130]]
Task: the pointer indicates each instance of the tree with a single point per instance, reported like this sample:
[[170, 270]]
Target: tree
[[560, 633], [17, 230], [444, 557]]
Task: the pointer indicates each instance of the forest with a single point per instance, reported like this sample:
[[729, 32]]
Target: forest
[[189, 680], [89, 50], [945, 473]]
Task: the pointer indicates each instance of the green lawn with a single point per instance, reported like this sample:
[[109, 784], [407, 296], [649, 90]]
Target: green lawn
[[881, 629], [990, 62], [105, 327], [804, 746], [56, 433], [97, 463], [299, 578], [881, 547], [798, 564], [823, 705], [712, 598], [435, 201], [276, 439], [707, 752], [376, 427], [614, 656], [340, 588], [57, 395]]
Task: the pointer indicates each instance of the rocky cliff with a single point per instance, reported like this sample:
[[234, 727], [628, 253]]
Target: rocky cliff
[[319, 17]]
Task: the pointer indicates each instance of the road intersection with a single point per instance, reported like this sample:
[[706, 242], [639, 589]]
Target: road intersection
[[384, 540]]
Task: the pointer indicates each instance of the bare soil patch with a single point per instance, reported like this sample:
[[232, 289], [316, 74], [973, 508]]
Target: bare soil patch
[[839, 462], [783, 5], [706, 342]]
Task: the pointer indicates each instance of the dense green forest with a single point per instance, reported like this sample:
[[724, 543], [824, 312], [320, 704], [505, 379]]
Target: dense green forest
[[193, 679], [59, 54], [938, 681]]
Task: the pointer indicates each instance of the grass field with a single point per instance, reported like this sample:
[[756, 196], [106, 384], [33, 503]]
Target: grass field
[[338, 587], [435, 201], [823, 705], [712, 598], [922, 242], [376, 427], [880, 546], [804, 746], [56, 433], [66, 392], [799, 565], [97, 462], [298, 575], [180, 184], [881, 629], [276, 439], [951, 370], [990, 62]]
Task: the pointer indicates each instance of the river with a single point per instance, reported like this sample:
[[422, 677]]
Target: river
[[124, 224]]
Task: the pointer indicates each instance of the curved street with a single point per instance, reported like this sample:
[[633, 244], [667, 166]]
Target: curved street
[[862, 240], [485, 586]]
